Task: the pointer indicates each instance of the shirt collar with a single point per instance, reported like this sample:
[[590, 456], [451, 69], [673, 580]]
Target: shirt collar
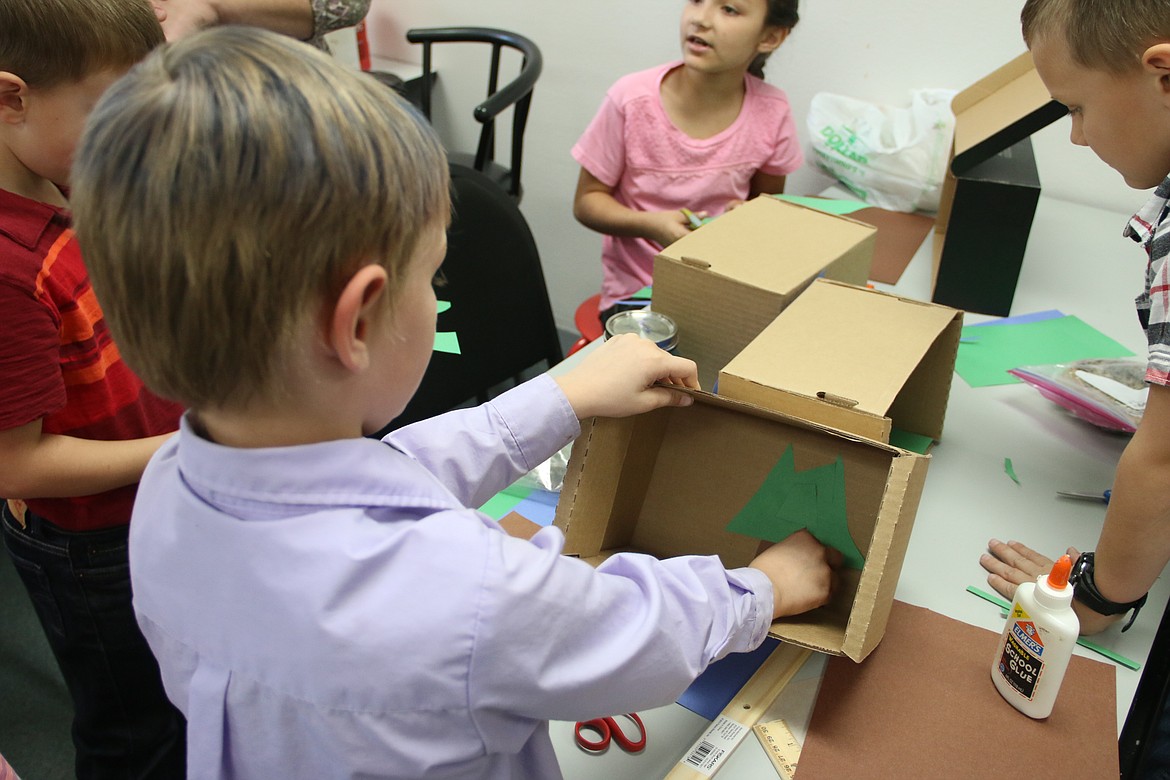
[[1142, 224], [26, 220], [276, 482]]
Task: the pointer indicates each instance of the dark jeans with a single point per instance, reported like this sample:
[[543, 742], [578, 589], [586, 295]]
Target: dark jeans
[[123, 725]]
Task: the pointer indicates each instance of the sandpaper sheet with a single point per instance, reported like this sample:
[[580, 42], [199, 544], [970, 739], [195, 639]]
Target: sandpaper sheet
[[923, 705], [898, 237]]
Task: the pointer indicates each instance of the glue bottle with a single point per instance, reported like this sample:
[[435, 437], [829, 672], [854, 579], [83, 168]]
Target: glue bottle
[[1037, 642]]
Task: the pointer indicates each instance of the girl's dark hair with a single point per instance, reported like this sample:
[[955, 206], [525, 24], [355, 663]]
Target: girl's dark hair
[[781, 13]]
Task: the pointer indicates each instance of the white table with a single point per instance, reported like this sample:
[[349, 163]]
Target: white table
[[1077, 262]]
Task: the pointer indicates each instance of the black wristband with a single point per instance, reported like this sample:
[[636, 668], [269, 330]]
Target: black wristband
[[1085, 591]]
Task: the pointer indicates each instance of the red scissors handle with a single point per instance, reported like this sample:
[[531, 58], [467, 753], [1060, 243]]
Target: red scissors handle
[[608, 728]]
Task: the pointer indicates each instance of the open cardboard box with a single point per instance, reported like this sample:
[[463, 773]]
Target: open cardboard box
[[669, 482], [991, 188], [724, 282], [854, 359]]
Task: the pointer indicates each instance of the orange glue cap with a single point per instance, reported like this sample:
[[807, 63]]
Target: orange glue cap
[[1058, 577]]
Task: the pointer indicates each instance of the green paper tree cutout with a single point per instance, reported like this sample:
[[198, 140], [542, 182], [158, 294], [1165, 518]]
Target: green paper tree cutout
[[789, 501]]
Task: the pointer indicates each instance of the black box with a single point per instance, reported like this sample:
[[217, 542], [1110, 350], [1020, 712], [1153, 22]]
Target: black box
[[991, 189]]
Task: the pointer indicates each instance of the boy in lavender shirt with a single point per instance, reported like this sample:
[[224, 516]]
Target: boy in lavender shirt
[[324, 605]]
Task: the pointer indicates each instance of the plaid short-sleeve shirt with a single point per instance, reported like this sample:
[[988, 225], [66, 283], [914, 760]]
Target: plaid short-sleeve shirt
[[1151, 228]]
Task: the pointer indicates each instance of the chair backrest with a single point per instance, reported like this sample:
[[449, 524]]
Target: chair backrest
[[517, 92], [500, 311]]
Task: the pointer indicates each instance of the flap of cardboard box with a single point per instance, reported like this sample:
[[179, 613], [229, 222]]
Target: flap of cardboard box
[[678, 481], [1000, 110], [773, 245], [849, 357]]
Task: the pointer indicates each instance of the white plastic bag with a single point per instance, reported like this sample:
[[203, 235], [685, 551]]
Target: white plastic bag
[[893, 158]]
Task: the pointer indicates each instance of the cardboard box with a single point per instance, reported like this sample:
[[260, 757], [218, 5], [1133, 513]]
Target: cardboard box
[[854, 359], [991, 187], [725, 282], [669, 482]]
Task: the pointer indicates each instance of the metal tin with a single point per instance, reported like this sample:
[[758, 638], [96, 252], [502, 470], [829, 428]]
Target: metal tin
[[645, 323]]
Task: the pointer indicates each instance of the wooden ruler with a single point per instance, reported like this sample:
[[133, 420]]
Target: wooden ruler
[[719, 741], [780, 745]]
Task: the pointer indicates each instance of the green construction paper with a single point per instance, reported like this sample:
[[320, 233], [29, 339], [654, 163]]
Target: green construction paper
[[643, 294], [827, 205], [915, 442], [789, 501], [505, 501], [447, 342], [997, 348], [1010, 470]]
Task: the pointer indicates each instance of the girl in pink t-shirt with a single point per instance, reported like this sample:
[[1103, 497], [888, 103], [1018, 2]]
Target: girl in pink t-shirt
[[704, 133]]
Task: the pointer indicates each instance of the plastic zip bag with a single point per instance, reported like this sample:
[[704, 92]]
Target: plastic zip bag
[[1108, 392]]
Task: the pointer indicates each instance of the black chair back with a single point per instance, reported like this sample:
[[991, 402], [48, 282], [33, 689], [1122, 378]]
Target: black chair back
[[500, 311], [517, 92]]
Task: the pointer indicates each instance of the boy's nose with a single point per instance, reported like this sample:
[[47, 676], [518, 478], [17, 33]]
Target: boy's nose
[[1076, 135]]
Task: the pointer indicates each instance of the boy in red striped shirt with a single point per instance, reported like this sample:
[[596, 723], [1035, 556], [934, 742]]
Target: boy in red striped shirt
[[76, 425]]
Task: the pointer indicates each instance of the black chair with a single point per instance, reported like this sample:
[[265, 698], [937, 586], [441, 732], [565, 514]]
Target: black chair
[[517, 92], [499, 311]]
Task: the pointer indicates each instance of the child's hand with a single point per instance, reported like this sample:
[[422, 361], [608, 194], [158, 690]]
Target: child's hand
[[666, 227], [180, 18], [802, 571], [616, 379]]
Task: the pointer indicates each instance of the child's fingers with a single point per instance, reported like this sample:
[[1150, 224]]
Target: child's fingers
[[660, 396]]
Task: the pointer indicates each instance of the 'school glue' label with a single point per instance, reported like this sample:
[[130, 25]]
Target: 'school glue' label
[[1022, 661], [1037, 642]]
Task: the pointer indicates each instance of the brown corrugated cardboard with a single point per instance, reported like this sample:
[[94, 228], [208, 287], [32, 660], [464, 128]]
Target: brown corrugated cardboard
[[854, 359], [987, 211], [669, 482], [723, 283]]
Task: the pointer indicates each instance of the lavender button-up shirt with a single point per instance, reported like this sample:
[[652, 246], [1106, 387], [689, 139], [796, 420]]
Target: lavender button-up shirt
[[335, 611]]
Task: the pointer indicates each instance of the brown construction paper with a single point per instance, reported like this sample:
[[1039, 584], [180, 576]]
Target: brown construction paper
[[922, 705], [898, 237], [516, 524]]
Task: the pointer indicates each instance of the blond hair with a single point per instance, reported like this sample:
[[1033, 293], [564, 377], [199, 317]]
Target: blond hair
[[1107, 35], [226, 189], [48, 42]]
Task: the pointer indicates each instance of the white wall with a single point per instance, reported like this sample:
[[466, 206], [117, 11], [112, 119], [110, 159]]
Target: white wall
[[876, 51]]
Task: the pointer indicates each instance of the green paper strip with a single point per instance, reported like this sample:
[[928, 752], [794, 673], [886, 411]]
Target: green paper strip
[[915, 442], [447, 342], [1010, 470], [1088, 644], [827, 205]]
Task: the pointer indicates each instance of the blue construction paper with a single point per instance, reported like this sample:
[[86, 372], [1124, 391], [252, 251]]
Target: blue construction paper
[[717, 686], [538, 508]]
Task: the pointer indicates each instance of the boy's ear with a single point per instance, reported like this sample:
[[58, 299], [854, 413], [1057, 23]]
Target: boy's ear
[[1156, 61], [358, 308], [13, 97], [772, 38]]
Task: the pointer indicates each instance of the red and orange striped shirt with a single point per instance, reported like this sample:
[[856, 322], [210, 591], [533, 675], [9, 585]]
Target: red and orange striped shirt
[[58, 362]]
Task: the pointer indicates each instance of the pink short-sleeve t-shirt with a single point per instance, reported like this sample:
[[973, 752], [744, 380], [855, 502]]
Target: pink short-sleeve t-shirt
[[632, 146]]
